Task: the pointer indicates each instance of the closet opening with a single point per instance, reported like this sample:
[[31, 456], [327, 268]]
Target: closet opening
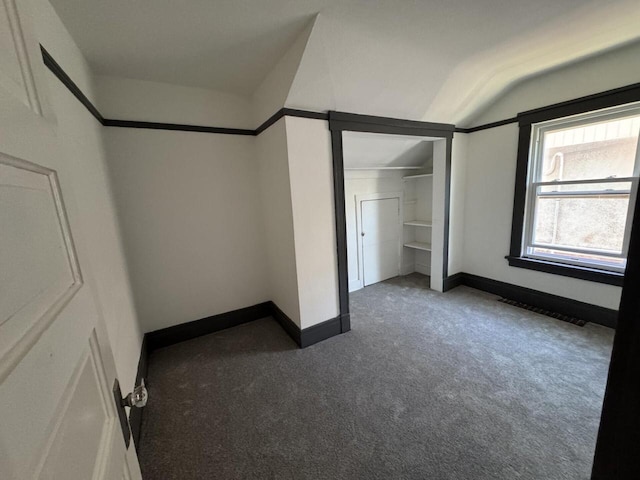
[[391, 181], [389, 207]]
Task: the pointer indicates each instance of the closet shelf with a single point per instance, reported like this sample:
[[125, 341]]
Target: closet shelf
[[418, 223], [422, 175], [419, 246]]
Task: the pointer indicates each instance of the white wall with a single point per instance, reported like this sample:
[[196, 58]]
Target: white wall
[[311, 178], [490, 174], [277, 213], [104, 267], [459, 155], [189, 206], [359, 182], [283, 186], [128, 99]]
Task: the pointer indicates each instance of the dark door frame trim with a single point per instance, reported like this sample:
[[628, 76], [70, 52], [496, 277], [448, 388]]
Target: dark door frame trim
[[340, 122]]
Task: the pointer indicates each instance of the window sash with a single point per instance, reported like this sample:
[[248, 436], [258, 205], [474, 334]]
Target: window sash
[[529, 245], [586, 181], [583, 250], [576, 262]]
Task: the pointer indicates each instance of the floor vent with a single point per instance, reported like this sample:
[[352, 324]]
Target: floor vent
[[542, 311]]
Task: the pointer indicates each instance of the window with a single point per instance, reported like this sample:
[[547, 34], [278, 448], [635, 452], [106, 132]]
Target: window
[[581, 183]]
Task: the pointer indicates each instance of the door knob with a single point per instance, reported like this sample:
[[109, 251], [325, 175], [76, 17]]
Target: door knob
[[138, 398], [362, 234]]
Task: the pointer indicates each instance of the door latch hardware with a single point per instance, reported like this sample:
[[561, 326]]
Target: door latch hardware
[[138, 398]]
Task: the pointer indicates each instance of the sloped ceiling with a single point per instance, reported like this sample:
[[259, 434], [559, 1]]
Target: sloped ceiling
[[474, 84], [375, 150], [356, 62], [436, 61]]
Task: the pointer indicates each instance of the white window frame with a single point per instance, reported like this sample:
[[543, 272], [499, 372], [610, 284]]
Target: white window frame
[[534, 169]]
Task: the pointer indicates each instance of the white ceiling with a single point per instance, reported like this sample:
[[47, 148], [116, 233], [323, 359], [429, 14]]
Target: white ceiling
[[399, 58], [227, 45], [375, 150]]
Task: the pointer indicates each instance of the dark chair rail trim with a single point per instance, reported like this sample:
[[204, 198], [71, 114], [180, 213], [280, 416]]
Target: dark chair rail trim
[[354, 122], [59, 72], [176, 127], [486, 126]]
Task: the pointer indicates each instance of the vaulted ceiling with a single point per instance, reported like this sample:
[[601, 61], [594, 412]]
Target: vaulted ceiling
[[376, 150], [437, 61]]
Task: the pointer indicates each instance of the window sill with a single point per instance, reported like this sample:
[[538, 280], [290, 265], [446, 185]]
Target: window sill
[[583, 273]]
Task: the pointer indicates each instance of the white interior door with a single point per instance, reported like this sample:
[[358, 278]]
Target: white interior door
[[380, 233], [58, 417]]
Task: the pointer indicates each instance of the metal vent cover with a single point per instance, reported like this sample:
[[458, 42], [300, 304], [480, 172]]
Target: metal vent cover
[[559, 316]]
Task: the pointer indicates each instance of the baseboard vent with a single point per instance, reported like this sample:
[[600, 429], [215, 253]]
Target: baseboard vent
[[575, 321]]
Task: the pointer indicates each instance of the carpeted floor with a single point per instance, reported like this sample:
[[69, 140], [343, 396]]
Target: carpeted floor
[[425, 386]]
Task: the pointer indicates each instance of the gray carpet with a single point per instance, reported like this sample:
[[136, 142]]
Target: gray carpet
[[425, 386]]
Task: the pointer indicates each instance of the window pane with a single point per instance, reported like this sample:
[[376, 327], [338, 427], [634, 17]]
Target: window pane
[[613, 188], [581, 222], [595, 150]]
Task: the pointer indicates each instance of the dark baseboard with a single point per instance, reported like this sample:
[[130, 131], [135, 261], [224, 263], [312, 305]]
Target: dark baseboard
[[286, 323], [536, 298], [452, 281], [345, 322], [187, 331], [321, 331], [314, 334]]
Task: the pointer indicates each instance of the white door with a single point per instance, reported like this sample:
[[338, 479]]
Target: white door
[[58, 417], [380, 233]]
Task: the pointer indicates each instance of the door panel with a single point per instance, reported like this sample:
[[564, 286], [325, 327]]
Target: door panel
[[86, 422], [58, 419], [16, 75], [380, 239], [39, 267]]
